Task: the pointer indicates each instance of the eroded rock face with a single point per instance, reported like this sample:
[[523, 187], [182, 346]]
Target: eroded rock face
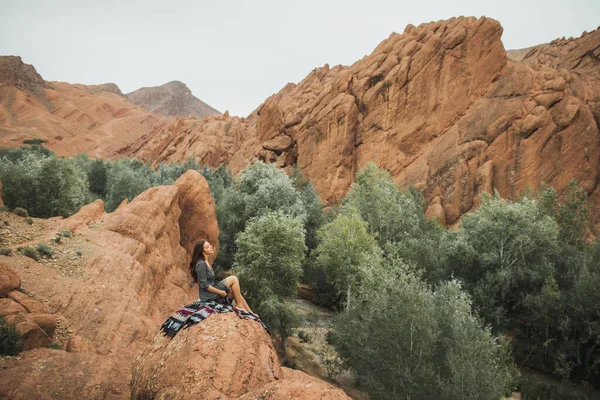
[[222, 357], [440, 107]]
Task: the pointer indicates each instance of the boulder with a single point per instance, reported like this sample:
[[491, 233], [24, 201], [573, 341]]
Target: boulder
[[55, 374], [296, 385], [86, 215], [139, 267], [221, 357], [10, 307], [32, 335], [224, 356], [45, 321], [9, 280], [30, 304]]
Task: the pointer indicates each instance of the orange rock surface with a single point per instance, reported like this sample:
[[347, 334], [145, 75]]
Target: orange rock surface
[[441, 107], [222, 357]]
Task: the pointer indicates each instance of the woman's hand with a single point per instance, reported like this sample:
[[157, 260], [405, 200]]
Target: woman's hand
[[223, 293]]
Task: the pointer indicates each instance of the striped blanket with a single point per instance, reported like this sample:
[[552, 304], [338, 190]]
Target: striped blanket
[[198, 312]]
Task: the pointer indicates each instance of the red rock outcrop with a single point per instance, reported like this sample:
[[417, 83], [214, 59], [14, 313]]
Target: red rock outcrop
[[25, 313], [137, 275], [173, 99], [223, 357], [139, 270], [1, 202], [440, 106]]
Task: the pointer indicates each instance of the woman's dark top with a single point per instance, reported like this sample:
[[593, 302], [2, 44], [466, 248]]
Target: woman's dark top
[[206, 277]]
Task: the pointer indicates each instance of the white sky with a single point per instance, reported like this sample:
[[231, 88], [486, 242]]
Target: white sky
[[234, 54]]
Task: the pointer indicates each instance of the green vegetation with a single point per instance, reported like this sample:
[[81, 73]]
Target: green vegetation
[[55, 346], [34, 179], [21, 212], [269, 265], [532, 389], [5, 251], [44, 250], [10, 340], [31, 253], [65, 233]]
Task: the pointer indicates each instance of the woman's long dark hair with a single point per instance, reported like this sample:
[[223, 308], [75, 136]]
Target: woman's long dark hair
[[197, 255]]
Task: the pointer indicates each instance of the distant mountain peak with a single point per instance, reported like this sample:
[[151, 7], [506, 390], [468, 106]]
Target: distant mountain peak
[[173, 99], [14, 72]]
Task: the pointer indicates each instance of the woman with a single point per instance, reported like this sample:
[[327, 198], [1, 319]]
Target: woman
[[204, 276]]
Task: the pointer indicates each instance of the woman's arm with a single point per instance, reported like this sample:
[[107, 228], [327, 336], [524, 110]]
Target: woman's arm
[[201, 271], [214, 290]]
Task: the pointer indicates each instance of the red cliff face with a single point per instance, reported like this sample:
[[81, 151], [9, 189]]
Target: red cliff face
[[440, 106]]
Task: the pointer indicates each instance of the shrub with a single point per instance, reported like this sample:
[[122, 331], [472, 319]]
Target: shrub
[[5, 251], [78, 253], [10, 339], [44, 250], [31, 253], [29, 220], [305, 337], [21, 212], [57, 239], [4, 208], [55, 346], [34, 141], [66, 233], [532, 389]]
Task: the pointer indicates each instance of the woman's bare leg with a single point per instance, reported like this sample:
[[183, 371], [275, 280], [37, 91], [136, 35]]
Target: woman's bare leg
[[234, 285]]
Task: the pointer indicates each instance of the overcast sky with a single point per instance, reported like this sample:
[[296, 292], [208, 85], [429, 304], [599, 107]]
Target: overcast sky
[[234, 54]]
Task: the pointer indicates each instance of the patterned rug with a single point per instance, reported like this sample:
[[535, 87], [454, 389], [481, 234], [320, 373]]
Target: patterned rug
[[197, 312]]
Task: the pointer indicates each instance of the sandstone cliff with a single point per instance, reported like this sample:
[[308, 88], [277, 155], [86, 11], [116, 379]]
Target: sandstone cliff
[[440, 106], [173, 99], [71, 118]]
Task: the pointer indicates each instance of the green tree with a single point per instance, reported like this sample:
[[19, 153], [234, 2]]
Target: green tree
[[392, 215], [347, 253], [61, 188], [503, 251], [260, 189], [269, 264], [127, 178], [405, 340]]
